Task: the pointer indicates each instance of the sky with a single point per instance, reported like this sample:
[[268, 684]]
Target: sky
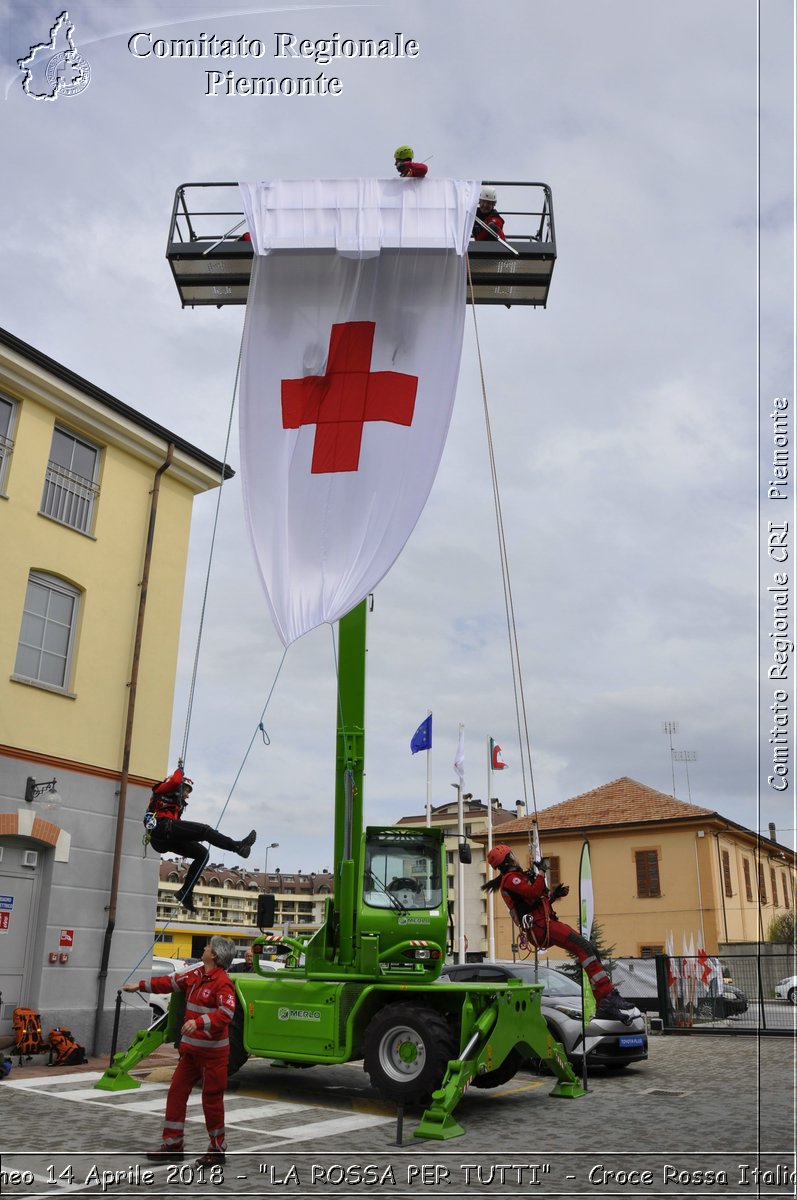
[[631, 418]]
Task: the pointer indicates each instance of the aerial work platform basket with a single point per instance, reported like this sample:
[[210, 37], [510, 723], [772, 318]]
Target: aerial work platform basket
[[211, 262]]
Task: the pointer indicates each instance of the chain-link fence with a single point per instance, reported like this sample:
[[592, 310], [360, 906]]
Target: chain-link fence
[[733, 993]]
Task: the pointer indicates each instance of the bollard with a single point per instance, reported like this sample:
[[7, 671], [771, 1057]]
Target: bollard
[[115, 1034]]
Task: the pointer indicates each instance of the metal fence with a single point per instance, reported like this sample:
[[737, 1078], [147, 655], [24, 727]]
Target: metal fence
[[731, 994]]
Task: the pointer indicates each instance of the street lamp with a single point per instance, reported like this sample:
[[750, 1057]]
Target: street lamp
[[270, 846]]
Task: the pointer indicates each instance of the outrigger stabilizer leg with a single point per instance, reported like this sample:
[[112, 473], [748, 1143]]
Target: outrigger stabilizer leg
[[498, 1031], [117, 1077]]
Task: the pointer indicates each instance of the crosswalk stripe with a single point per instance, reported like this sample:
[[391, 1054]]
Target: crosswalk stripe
[[53, 1081], [301, 1133]]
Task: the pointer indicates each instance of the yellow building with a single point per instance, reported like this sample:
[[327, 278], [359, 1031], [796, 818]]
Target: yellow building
[[226, 902], [95, 512], [660, 868]]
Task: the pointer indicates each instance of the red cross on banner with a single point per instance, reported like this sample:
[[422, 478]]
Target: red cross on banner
[[348, 394]]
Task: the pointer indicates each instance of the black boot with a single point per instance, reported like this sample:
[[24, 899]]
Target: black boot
[[243, 847], [614, 1008], [185, 901]]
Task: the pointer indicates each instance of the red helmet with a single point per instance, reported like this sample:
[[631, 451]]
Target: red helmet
[[497, 855]]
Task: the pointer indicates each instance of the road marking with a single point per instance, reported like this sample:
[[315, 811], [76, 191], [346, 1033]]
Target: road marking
[[302, 1133], [266, 1108], [53, 1081]]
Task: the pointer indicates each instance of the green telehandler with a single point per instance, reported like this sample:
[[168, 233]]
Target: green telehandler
[[366, 984]]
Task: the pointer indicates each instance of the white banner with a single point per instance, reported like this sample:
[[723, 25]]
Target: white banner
[[348, 378]]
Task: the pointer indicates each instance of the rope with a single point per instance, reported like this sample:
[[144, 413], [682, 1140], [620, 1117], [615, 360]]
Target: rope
[[259, 729], [192, 688], [517, 675]]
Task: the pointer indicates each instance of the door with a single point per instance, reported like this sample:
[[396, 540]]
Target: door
[[20, 875]]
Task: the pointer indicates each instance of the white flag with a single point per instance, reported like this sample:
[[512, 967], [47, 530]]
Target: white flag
[[459, 757], [351, 353]]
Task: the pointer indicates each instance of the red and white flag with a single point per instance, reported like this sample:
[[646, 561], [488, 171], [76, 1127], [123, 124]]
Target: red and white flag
[[351, 352], [496, 758]]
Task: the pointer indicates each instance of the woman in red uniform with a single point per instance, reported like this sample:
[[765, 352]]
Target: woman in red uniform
[[204, 1049], [526, 896]]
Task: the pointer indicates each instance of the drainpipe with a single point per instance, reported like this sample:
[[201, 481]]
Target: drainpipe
[[722, 888], [102, 978]]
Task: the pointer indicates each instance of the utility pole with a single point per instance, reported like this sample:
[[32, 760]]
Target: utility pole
[[685, 756], [671, 727]]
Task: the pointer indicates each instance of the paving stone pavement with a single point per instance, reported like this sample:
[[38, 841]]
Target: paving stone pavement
[[700, 1103]]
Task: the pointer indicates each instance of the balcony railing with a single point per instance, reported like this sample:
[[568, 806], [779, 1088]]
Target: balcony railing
[[69, 498]]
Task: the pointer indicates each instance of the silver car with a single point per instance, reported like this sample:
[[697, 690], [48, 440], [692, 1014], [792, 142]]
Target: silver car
[[786, 989], [609, 1044]]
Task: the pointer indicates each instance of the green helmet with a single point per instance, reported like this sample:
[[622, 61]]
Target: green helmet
[[403, 152]]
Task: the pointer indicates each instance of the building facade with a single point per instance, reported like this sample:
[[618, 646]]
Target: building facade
[[475, 908], [95, 512], [663, 871], [226, 902]]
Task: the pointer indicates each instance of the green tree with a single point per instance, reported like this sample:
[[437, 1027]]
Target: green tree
[[573, 968], [782, 928]]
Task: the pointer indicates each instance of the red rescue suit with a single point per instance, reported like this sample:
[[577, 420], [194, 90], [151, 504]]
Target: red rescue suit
[[204, 1054], [530, 908], [408, 169], [491, 218]]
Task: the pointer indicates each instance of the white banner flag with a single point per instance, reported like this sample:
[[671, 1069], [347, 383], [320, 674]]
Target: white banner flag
[[349, 370]]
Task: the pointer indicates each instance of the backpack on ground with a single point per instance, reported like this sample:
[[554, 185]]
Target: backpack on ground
[[28, 1038], [68, 1053]]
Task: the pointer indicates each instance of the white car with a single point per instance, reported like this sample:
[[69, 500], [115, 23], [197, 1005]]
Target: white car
[[159, 1001], [239, 965], [787, 989]]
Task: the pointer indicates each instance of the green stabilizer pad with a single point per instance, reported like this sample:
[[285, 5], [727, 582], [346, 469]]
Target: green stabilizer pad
[[437, 1122], [572, 1090], [117, 1077]]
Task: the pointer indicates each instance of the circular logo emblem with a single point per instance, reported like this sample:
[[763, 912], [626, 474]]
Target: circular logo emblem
[[69, 71]]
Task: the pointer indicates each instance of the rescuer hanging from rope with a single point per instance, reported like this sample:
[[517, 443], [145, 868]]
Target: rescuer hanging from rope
[[525, 893], [169, 832]]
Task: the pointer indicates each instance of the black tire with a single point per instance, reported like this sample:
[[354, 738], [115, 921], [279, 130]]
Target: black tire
[[238, 1055], [792, 996], [407, 1048], [507, 1070]]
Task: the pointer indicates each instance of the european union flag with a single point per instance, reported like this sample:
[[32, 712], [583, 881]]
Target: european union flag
[[422, 738]]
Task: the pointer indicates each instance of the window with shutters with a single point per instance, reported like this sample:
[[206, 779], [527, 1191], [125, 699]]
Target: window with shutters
[[748, 882], [762, 887], [726, 873], [647, 873], [650, 951], [554, 875], [774, 884]]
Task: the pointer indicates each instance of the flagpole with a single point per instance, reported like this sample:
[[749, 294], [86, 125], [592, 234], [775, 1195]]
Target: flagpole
[[490, 896], [429, 781], [459, 766]]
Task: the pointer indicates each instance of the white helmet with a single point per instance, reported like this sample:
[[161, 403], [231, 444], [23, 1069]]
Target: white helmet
[[488, 193]]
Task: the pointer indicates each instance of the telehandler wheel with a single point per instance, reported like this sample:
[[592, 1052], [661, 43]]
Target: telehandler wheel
[[407, 1048], [238, 1055], [507, 1070]]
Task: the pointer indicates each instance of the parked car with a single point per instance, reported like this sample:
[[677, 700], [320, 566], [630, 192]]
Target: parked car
[[787, 989], [610, 1044], [266, 964], [635, 979], [159, 1001]]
